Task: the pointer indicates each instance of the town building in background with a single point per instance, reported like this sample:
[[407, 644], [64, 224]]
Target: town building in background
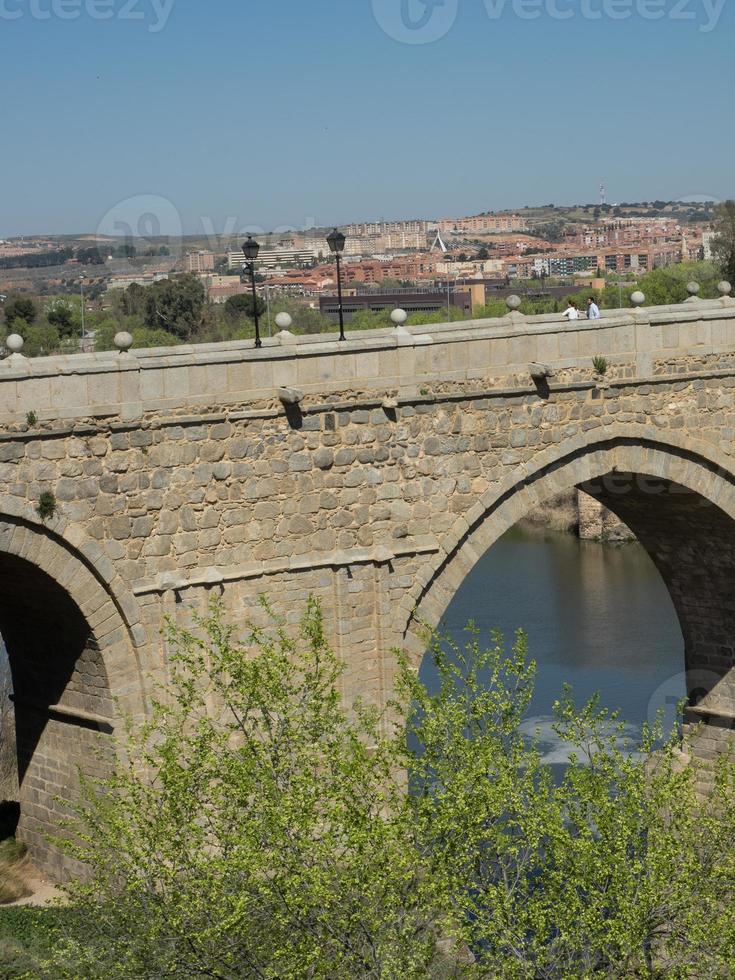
[[202, 261], [139, 279], [278, 257], [482, 223]]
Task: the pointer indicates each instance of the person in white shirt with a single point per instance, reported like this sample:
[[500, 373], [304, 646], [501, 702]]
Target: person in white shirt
[[571, 312], [593, 310]]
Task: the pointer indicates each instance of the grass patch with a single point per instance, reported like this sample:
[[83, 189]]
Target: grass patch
[[27, 937], [12, 882]]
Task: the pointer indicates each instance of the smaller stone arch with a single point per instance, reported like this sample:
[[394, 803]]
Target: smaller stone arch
[[76, 673]]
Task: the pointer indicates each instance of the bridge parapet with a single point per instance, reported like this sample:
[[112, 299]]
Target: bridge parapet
[[130, 384]]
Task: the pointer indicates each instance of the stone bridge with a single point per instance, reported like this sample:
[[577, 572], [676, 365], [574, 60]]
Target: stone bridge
[[376, 485]]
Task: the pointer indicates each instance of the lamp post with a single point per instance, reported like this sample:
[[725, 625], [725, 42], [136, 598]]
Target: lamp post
[[250, 250], [81, 294], [336, 242]]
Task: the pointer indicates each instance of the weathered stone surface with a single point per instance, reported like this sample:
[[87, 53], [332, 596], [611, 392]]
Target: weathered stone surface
[[324, 459], [377, 511]]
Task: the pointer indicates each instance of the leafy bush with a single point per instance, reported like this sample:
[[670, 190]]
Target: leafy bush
[[27, 938], [272, 835]]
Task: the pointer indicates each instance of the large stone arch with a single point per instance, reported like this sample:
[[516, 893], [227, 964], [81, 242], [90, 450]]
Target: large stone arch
[[677, 495], [75, 667]]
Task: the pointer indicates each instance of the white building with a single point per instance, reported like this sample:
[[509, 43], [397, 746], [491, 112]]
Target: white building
[[273, 258]]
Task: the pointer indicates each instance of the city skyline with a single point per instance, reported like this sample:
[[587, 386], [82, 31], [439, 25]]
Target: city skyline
[[335, 117], [231, 232]]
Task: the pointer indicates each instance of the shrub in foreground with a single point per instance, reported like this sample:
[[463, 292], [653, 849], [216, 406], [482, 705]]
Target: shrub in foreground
[[263, 831]]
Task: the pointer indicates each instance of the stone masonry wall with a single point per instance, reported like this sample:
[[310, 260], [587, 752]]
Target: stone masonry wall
[[350, 496]]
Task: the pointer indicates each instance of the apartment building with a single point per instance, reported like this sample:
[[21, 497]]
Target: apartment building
[[274, 258], [144, 279], [198, 262], [381, 228], [483, 223]]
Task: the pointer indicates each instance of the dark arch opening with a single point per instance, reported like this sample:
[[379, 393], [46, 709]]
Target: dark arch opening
[[61, 699]]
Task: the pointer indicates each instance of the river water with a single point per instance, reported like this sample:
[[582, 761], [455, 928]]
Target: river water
[[597, 616]]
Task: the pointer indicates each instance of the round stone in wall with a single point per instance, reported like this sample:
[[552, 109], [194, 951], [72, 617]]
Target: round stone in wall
[[123, 340], [693, 288], [637, 298], [724, 288], [399, 317], [513, 302], [283, 321]]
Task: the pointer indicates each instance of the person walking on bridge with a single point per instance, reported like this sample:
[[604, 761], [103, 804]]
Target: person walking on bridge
[[571, 312], [593, 310]]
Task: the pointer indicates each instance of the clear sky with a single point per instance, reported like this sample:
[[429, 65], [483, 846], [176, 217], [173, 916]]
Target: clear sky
[[182, 114]]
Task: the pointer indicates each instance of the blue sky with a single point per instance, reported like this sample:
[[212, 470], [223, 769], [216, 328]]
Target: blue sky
[[277, 113]]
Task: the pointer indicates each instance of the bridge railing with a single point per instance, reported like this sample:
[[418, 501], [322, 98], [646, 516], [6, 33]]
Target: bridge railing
[[401, 362]]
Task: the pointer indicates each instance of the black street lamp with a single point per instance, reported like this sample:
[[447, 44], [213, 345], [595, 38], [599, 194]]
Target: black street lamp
[[250, 250], [336, 242]]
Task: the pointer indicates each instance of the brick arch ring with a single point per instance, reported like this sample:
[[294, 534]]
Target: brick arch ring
[[89, 579], [646, 450]]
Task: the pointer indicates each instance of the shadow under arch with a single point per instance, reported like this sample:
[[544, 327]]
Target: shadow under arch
[[75, 673], [677, 497]]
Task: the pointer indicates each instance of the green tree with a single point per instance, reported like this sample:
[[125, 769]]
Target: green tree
[[241, 306], [133, 300], [41, 339], [20, 308], [493, 308], [268, 842], [368, 320], [669, 284], [271, 838], [308, 320], [143, 336], [64, 317], [723, 244], [444, 315], [175, 305]]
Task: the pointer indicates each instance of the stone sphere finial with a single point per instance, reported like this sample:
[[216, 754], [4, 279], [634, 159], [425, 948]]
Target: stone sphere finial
[[638, 298], [399, 317], [724, 288], [14, 342], [284, 321], [513, 302], [693, 288], [123, 341]]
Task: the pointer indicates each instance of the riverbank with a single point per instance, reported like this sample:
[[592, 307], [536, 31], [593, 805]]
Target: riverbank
[[575, 512]]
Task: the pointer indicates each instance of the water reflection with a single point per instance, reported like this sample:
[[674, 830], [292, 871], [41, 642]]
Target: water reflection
[[598, 617]]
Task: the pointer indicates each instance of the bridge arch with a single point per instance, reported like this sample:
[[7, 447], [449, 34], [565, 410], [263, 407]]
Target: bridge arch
[[75, 668], [678, 497]]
